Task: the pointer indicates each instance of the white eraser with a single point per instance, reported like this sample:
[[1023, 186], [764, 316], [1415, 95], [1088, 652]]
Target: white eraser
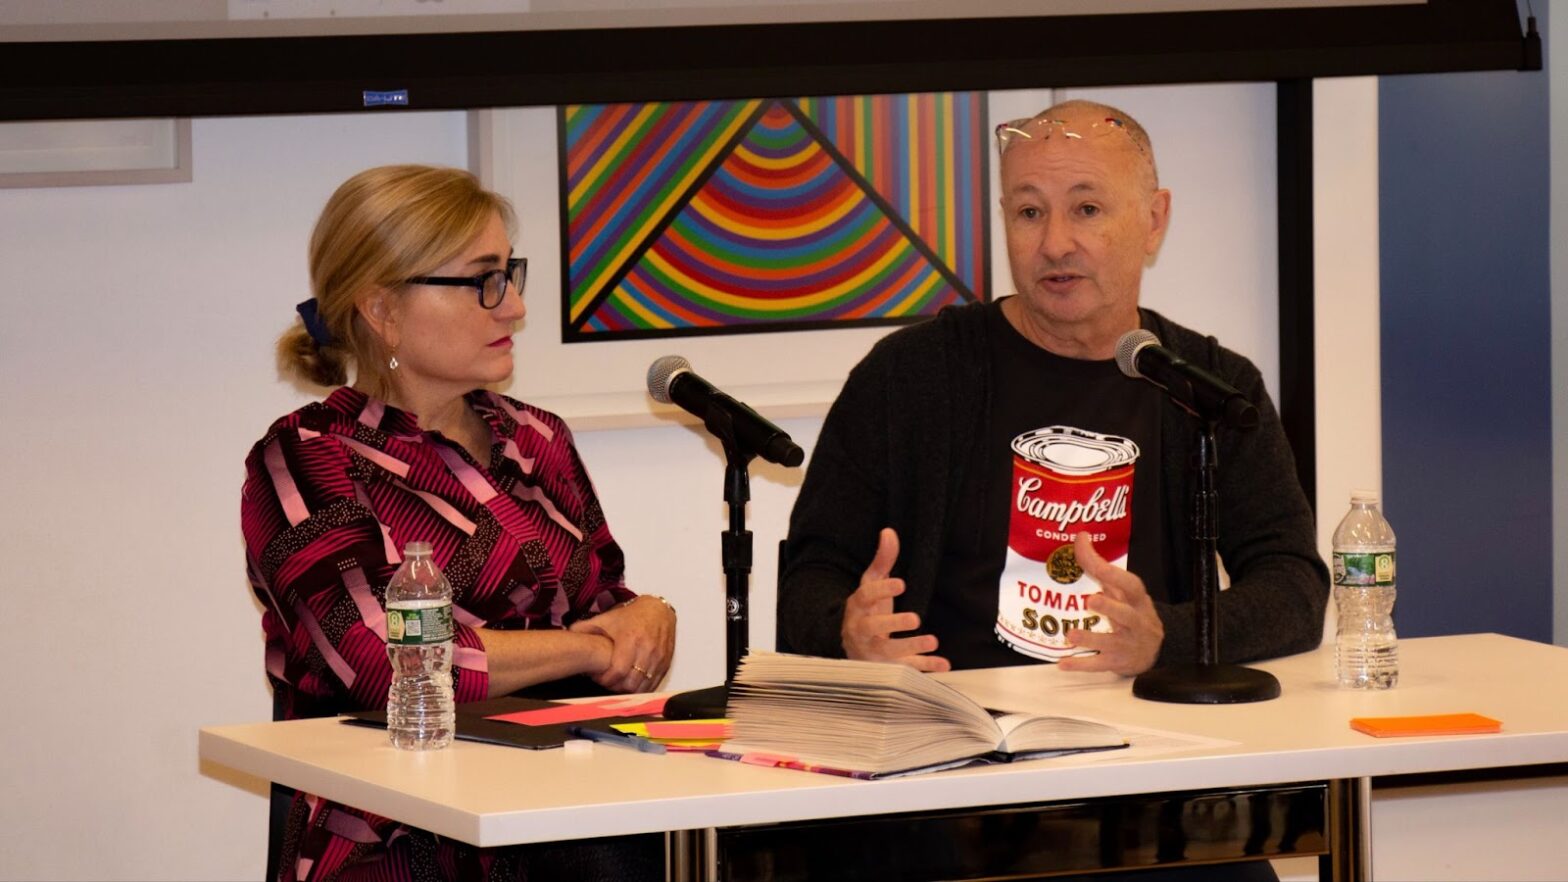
[[578, 747]]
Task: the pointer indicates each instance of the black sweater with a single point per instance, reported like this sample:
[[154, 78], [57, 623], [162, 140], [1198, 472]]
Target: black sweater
[[893, 453]]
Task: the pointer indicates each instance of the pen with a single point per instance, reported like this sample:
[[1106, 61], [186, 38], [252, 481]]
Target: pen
[[789, 763], [616, 738]]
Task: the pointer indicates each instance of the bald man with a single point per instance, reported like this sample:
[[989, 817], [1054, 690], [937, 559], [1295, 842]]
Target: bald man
[[989, 489]]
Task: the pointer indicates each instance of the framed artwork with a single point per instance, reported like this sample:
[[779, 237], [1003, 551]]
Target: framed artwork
[[95, 152], [598, 380], [781, 214]]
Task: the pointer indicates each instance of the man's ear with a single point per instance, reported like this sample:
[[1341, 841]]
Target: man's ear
[[1159, 221], [376, 308]]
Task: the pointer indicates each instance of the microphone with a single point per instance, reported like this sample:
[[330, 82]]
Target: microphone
[[672, 381], [1140, 355]]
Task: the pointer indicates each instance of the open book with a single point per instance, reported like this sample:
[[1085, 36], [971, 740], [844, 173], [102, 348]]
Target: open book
[[876, 719]]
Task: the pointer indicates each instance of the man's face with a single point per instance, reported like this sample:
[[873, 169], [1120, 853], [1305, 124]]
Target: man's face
[[1082, 216]]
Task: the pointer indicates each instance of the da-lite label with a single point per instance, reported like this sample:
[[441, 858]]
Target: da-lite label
[[419, 626]]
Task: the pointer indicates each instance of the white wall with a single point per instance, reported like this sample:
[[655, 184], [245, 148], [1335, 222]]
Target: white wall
[[1508, 831], [1346, 347], [136, 370], [1218, 269], [1349, 403]]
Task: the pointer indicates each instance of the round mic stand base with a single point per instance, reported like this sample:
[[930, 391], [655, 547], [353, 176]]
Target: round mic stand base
[[698, 704], [1206, 684]]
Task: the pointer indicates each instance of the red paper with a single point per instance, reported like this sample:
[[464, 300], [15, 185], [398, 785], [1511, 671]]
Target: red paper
[[679, 729], [588, 710]]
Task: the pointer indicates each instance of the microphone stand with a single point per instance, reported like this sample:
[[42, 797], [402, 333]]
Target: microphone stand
[[1207, 681], [735, 551]]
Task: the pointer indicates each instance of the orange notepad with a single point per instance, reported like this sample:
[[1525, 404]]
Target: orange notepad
[[1435, 724]]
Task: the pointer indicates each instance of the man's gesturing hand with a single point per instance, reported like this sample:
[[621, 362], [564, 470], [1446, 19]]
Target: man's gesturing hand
[[869, 620], [1136, 629]]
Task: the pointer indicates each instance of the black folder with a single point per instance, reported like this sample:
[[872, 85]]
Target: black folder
[[472, 725]]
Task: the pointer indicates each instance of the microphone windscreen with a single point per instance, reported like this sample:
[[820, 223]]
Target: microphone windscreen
[[1127, 350], [661, 372]]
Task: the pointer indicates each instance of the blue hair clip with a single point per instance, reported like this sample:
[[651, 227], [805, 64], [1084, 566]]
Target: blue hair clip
[[313, 323]]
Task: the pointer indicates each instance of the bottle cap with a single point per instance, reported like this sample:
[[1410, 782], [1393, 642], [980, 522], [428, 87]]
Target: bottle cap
[[1363, 497], [416, 549]]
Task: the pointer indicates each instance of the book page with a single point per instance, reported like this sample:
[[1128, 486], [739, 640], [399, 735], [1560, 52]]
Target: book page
[[1026, 732], [875, 718], [869, 717], [1145, 743]]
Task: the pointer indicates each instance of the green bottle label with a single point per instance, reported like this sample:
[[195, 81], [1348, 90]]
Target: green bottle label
[[417, 627], [1364, 569]]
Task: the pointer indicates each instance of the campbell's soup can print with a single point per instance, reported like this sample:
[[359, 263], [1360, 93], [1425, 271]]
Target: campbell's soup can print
[[1065, 481]]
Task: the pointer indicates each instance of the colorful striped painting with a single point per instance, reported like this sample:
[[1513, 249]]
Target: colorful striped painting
[[771, 214]]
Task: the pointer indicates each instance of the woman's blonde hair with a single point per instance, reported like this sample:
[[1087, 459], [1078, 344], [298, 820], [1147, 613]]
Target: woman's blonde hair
[[382, 226]]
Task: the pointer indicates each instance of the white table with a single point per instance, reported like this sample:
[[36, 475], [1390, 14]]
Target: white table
[[489, 795]]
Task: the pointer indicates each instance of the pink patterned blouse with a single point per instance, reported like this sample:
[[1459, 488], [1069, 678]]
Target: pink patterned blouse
[[332, 494]]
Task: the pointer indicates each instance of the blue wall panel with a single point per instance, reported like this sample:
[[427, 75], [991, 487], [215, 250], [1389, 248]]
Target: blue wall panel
[[1466, 350]]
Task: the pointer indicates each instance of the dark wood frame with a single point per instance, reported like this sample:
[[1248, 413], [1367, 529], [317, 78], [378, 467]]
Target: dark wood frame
[[1297, 278]]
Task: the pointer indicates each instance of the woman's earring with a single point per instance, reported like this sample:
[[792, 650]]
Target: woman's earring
[[392, 365]]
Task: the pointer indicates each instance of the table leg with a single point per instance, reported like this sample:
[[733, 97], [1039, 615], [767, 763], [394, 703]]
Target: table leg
[[1349, 824], [691, 855]]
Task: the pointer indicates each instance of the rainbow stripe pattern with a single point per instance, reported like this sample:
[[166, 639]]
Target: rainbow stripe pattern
[[736, 216]]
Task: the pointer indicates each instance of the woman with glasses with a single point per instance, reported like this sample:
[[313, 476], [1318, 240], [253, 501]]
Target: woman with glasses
[[416, 297]]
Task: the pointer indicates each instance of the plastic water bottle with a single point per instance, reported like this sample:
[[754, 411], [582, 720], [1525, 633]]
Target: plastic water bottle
[[420, 711], [1366, 651]]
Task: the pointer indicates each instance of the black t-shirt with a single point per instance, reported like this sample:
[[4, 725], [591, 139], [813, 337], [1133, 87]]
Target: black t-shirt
[[1033, 389]]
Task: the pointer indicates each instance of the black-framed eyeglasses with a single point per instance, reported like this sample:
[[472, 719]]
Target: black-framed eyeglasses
[[491, 285]]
